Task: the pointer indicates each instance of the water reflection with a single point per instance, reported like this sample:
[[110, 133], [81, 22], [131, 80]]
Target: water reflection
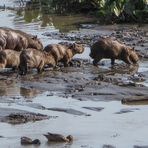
[[62, 23], [29, 93], [11, 88]]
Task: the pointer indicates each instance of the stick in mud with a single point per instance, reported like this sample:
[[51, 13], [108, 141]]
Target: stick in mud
[[141, 100]]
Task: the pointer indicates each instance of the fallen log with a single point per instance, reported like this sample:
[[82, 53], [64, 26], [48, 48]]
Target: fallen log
[[135, 100]]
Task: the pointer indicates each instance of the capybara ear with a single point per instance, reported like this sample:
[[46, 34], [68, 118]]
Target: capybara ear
[[34, 37], [74, 45], [133, 48]]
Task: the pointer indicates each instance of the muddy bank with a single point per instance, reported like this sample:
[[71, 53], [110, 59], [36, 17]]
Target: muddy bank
[[81, 81], [87, 82]]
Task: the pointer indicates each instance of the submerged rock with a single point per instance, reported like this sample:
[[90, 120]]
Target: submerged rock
[[69, 111], [58, 137], [23, 118], [28, 141], [98, 109], [15, 116], [126, 110]]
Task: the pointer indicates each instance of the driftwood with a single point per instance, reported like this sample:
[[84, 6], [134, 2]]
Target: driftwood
[[135, 100]]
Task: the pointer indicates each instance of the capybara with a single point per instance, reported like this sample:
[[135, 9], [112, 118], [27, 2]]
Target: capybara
[[64, 52], [32, 58], [18, 40], [9, 59], [108, 48]]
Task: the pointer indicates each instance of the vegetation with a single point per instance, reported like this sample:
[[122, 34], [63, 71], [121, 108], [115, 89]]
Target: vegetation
[[107, 10]]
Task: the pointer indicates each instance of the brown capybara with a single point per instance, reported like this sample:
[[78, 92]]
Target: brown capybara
[[18, 40], [9, 59], [32, 58], [64, 52], [108, 48]]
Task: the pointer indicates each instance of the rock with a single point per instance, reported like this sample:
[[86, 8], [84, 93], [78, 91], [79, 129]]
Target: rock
[[58, 137], [14, 116], [28, 141]]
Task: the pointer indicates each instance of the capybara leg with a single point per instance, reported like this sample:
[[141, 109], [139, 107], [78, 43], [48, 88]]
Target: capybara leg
[[66, 63], [40, 67], [23, 70], [112, 61], [39, 70], [95, 62], [14, 68], [127, 60], [71, 63]]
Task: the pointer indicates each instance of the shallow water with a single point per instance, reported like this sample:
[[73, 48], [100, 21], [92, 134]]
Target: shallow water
[[122, 126], [99, 128]]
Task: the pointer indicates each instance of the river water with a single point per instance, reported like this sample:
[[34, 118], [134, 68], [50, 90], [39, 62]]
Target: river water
[[107, 127]]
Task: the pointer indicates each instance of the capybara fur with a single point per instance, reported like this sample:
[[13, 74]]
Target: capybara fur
[[18, 40], [108, 48], [9, 59], [32, 58], [64, 52]]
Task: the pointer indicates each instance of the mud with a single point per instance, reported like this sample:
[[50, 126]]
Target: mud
[[88, 82], [69, 111], [14, 116], [98, 109]]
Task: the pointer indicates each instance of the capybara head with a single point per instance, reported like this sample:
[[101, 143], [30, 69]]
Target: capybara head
[[34, 42], [134, 57], [77, 48]]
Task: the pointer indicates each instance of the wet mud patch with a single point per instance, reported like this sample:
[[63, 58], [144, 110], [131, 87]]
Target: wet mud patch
[[69, 111], [15, 116], [127, 110], [34, 105], [97, 109]]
